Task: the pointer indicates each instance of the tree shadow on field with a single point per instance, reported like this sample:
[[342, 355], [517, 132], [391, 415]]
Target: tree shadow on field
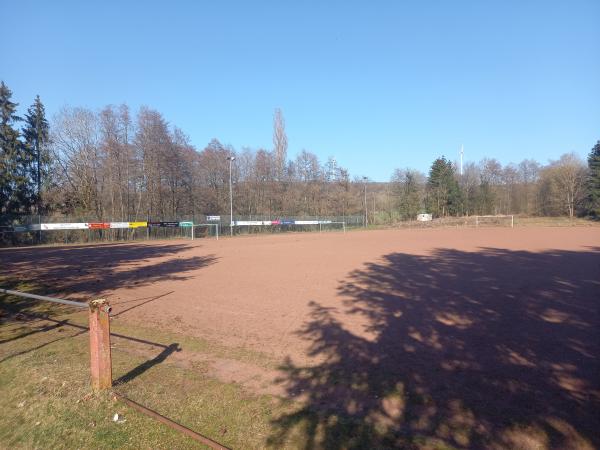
[[490, 349], [88, 270]]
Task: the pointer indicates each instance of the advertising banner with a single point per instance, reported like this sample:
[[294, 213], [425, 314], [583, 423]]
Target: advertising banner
[[213, 218], [119, 224], [163, 224], [248, 222], [186, 224], [306, 222], [65, 226], [98, 225], [138, 224]]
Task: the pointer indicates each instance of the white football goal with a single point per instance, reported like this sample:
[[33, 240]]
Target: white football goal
[[203, 230]]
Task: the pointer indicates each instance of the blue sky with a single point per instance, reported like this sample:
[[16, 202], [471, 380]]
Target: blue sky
[[378, 85]]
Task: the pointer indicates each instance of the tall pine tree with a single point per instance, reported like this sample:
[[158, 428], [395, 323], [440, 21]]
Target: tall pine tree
[[36, 135], [11, 179], [593, 181], [443, 191]]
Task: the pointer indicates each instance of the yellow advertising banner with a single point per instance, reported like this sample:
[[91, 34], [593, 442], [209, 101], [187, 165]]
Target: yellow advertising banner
[[137, 224]]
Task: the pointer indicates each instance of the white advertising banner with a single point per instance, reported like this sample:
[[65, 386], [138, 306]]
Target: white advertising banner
[[119, 224], [65, 226], [306, 222], [248, 222]]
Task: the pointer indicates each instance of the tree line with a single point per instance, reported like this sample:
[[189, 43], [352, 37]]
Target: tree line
[[114, 165]]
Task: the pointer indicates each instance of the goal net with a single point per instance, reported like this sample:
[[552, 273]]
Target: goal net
[[204, 230], [495, 221]]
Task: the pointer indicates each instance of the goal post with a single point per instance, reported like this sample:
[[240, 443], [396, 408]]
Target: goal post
[[500, 220], [327, 224], [205, 229]]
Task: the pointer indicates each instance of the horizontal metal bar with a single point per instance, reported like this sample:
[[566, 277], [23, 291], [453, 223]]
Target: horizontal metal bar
[[150, 413], [43, 297]]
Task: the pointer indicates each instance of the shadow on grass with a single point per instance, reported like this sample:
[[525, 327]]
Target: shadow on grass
[[40, 346], [30, 331], [139, 370], [489, 349], [62, 325]]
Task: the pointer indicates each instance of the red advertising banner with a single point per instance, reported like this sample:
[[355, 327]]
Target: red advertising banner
[[99, 225]]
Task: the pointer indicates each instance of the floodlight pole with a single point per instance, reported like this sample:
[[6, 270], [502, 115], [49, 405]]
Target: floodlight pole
[[230, 159], [366, 217]]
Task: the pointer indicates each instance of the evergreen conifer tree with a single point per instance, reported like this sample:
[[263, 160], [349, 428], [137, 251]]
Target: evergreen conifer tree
[[444, 194], [11, 155], [36, 134], [593, 181]]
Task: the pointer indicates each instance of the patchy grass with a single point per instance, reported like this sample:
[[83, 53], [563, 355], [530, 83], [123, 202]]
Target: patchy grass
[[47, 402], [195, 344], [46, 399]]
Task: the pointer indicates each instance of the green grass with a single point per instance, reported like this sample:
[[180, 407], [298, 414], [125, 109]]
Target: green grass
[[46, 400]]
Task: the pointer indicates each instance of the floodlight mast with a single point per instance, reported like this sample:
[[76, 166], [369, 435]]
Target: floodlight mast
[[230, 159], [462, 151], [365, 179]]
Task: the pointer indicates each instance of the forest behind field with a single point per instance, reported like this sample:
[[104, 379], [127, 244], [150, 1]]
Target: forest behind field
[[116, 165]]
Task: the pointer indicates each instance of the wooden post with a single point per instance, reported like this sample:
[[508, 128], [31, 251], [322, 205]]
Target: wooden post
[[100, 358]]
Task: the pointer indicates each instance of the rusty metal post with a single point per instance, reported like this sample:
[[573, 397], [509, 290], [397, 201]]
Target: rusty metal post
[[100, 358]]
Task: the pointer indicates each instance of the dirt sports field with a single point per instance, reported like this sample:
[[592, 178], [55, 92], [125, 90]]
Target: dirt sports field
[[485, 338]]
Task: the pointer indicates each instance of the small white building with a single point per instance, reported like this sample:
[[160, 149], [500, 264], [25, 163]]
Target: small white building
[[424, 217]]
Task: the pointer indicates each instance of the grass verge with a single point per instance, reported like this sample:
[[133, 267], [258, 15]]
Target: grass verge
[[46, 400]]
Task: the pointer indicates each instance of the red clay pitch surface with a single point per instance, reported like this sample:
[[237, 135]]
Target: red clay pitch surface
[[485, 330]]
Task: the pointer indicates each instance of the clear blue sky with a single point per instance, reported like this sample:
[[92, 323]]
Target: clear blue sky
[[378, 85]]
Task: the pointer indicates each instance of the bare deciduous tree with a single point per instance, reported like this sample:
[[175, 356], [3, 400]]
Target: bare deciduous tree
[[280, 143]]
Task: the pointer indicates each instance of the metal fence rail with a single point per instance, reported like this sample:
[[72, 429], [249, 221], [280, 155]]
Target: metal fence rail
[[43, 297]]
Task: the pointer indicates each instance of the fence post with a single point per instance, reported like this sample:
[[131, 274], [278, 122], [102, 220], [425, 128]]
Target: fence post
[[100, 358]]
